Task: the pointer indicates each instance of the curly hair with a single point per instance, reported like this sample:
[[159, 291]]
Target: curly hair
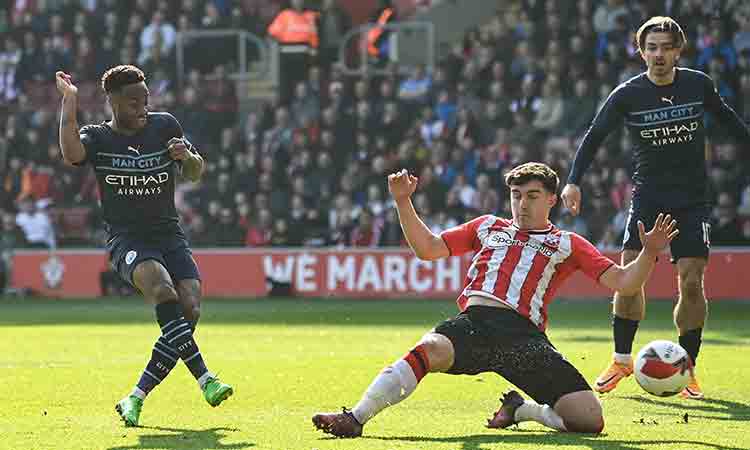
[[533, 171], [119, 76]]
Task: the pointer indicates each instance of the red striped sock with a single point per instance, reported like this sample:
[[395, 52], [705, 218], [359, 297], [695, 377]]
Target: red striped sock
[[418, 361]]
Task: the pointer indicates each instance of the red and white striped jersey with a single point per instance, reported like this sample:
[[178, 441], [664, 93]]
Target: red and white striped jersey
[[521, 268]]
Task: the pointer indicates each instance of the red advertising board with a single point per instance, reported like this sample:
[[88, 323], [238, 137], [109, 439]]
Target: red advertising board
[[387, 273]]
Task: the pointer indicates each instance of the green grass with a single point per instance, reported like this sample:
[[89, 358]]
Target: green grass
[[64, 364]]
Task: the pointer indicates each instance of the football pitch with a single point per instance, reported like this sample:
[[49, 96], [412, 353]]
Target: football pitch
[[65, 364]]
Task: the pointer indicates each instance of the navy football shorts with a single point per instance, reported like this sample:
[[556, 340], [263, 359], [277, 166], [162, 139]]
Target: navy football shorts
[[694, 239], [172, 252]]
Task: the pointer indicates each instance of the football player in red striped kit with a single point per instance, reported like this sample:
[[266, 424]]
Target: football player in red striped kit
[[517, 267]]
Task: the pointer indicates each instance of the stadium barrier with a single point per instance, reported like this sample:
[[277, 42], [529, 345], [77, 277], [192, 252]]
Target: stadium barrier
[[351, 273]]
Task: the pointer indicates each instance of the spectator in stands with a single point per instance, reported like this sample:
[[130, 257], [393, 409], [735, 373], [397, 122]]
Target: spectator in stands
[[550, 112], [158, 33], [296, 31], [606, 15], [487, 199], [305, 107], [10, 58], [416, 88], [742, 36], [259, 232], [367, 231], [333, 23], [36, 225], [280, 234], [718, 46], [578, 111]]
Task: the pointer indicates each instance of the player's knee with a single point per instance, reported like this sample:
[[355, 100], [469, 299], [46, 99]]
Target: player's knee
[[581, 412], [691, 288], [164, 292], [193, 313], [592, 422], [439, 351]]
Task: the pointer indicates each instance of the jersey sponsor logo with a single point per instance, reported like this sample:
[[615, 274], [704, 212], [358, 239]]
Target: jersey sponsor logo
[[497, 239], [137, 151], [676, 134], [137, 184], [130, 257], [669, 100]]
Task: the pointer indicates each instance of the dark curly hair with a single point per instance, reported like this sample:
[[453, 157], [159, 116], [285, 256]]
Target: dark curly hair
[[119, 76]]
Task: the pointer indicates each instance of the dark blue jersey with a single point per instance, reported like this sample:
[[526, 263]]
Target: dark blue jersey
[[136, 176], [666, 126]]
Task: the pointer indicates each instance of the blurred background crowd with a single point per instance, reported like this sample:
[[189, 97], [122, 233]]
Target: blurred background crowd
[[309, 165]]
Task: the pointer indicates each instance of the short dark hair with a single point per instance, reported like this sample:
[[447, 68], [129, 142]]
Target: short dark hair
[[660, 24], [117, 77], [533, 171]]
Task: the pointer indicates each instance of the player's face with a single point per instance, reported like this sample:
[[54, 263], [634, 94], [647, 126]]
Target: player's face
[[531, 204], [130, 106], [660, 53]]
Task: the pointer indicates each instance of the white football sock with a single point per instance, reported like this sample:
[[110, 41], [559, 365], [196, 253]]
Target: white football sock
[[544, 414], [138, 393], [623, 358], [393, 384], [204, 378]]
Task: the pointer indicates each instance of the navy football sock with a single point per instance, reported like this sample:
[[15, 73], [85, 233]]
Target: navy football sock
[[691, 342], [624, 333], [163, 360], [179, 335]]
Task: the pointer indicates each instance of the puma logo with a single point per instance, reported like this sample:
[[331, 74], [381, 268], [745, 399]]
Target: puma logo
[[668, 100], [134, 150]]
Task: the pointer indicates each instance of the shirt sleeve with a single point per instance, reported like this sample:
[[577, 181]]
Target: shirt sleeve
[[723, 112], [609, 117], [88, 139], [588, 258], [464, 238]]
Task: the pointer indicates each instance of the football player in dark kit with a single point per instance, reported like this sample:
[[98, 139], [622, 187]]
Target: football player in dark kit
[[663, 110], [136, 157]]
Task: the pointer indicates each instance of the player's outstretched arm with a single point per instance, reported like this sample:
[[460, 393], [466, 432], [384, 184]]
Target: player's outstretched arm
[[72, 149], [628, 280], [425, 244], [192, 162]]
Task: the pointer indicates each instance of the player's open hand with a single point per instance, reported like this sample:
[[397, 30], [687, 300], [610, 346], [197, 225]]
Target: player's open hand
[[665, 229], [402, 184], [571, 198], [65, 84], [177, 149]]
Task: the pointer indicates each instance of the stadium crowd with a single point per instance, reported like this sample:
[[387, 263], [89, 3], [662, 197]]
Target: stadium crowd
[[311, 170]]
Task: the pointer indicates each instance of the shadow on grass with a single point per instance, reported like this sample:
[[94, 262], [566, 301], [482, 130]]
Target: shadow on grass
[[520, 437], [734, 411], [608, 339], [184, 439]]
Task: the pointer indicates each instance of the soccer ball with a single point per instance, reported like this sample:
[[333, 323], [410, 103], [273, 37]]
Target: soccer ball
[[663, 368]]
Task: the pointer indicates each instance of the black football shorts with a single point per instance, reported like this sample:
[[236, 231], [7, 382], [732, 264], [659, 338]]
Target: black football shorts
[[489, 339]]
